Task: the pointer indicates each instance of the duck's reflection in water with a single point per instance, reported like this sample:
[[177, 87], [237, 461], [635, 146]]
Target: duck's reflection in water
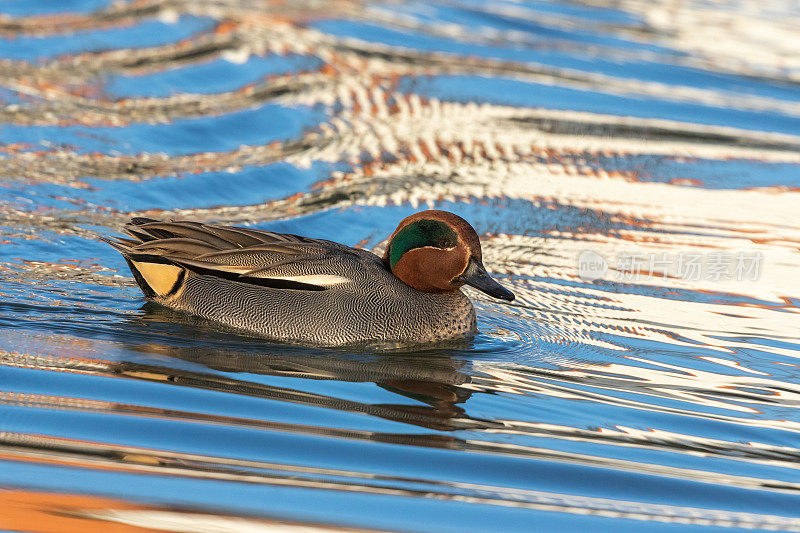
[[432, 376]]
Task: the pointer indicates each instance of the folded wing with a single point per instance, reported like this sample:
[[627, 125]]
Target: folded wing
[[160, 253]]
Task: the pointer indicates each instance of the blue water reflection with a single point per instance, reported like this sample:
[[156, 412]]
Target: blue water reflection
[[638, 400]]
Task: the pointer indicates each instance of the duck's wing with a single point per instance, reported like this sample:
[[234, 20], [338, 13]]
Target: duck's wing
[[159, 254]]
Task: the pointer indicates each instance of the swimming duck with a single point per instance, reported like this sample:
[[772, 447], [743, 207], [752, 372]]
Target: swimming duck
[[314, 291]]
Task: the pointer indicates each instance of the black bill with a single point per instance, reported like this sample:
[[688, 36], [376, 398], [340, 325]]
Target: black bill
[[476, 276]]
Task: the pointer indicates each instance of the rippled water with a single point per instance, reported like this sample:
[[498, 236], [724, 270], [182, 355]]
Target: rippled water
[[598, 399]]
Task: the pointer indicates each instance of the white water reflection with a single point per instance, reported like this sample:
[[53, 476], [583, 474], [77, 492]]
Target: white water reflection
[[624, 400]]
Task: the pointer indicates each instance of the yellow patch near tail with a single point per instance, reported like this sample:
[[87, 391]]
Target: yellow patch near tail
[[161, 278]]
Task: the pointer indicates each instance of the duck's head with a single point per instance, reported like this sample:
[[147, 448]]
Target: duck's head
[[437, 251]]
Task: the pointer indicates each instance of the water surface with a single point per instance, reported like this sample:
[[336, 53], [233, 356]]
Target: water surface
[[632, 168]]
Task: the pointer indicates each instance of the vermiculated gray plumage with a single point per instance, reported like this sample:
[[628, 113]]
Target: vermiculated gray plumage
[[286, 287]]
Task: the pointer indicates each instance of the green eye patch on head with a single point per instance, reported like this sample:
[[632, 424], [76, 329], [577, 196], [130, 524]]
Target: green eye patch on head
[[419, 234]]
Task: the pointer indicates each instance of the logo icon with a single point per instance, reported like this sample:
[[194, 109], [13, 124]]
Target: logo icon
[[591, 265]]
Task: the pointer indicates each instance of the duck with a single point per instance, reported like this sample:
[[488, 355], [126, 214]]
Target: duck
[[305, 290]]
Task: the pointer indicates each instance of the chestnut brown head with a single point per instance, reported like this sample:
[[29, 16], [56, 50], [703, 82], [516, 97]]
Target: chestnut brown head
[[437, 251]]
